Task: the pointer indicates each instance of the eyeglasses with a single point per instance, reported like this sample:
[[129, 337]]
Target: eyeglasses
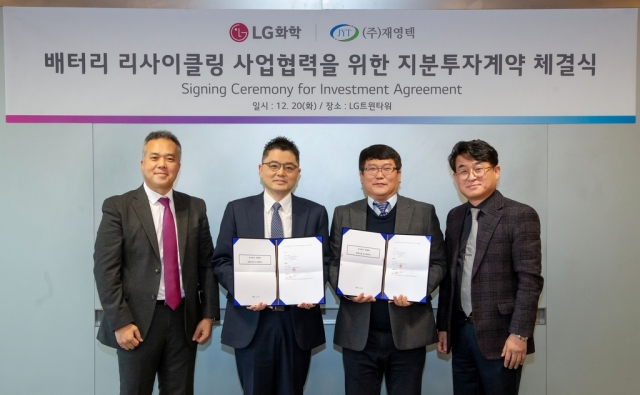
[[373, 170], [275, 166], [479, 172]]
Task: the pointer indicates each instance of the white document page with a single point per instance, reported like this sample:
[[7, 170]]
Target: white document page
[[407, 271], [254, 271], [300, 268], [361, 263]]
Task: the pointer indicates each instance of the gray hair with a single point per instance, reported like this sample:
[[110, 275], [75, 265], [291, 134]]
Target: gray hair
[[162, 134]]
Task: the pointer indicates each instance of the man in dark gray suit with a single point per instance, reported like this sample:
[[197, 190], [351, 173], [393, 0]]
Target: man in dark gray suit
[[152, 265], [272, 347], [384, 338], [489, 300]]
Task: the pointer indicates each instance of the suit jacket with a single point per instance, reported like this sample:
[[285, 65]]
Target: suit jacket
[[412, 326], [506, 281], [245, 218], [127, 263]]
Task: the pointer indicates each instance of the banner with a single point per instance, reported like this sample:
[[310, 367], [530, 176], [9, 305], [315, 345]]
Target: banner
[[339, 66]]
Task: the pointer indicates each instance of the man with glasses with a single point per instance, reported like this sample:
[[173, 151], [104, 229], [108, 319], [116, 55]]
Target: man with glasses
[[378, 337], [488, 302], [272, 346]]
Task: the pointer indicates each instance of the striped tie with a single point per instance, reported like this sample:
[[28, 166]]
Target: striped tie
[[277, 231], [382, 207]]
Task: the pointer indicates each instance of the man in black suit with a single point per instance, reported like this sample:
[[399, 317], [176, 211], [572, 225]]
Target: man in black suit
[[381, 338], [152, 266], [489, 301], [273, 348]]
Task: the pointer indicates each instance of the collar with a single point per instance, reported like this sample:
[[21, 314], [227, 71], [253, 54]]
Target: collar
[[285, 203], [484, 205], [392, 203], [155, 196]]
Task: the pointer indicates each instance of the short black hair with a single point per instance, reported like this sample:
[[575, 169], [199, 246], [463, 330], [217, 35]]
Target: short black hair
[[476, 149], [379, 151], [283, 144], [162, 134]]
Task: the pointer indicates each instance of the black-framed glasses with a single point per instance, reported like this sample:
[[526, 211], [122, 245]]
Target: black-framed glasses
[[479, 172], [275, 166], [373, 170]]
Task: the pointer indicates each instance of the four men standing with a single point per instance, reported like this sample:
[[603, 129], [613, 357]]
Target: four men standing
[[153, 260]]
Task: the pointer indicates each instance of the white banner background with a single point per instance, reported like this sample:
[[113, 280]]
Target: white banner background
[[36, 93]]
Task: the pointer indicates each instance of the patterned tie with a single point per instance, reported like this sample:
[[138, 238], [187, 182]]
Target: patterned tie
[[382, 207], [172, 295], [469, 256], [277, 231]]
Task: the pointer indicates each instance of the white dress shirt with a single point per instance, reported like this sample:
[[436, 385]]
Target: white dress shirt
[[157, 212], [286, 214], [392, 202]]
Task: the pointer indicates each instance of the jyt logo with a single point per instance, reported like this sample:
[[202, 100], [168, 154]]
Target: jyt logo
[[344, 32], [239, 32]]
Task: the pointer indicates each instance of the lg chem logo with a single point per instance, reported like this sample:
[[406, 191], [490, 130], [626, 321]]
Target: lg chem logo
[[239, 32], [344, 32]]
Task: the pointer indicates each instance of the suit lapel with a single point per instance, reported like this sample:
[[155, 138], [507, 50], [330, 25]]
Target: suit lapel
[[182, 222], [141, 206], [358, 216], [491, 220], [457, 223], [255, 216], [300, 215], [404, 210]]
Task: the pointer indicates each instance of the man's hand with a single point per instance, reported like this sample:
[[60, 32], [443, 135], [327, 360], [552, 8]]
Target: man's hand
[[203, 331], [514, 352], [128, 337], [258, 307], [401, 301], [442, 343], [307, 306], [363, 299]]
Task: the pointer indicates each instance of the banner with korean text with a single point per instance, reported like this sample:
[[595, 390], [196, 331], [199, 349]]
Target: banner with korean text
[[85, 65]]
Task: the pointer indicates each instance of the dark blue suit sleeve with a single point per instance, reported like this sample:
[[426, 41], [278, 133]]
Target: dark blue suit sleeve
[[222, 261], [323, 230]]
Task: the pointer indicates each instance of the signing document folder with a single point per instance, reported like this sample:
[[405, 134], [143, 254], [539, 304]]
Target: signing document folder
[[278, 271], [384, 265]]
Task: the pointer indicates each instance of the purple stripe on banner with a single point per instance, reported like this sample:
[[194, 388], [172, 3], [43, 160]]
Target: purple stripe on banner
[[151, 119]]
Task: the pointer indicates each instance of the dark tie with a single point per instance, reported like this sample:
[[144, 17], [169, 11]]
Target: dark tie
[[469, 257], [277, 231], [172, 295], [382, 207]]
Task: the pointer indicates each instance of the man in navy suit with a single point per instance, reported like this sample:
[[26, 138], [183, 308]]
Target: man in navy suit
[[272, 347]]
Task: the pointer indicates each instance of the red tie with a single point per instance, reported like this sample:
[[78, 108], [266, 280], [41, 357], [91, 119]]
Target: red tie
[[172, 295]]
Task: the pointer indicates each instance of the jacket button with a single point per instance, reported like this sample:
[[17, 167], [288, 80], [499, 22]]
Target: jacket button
[[157, 270], [153, 296]]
